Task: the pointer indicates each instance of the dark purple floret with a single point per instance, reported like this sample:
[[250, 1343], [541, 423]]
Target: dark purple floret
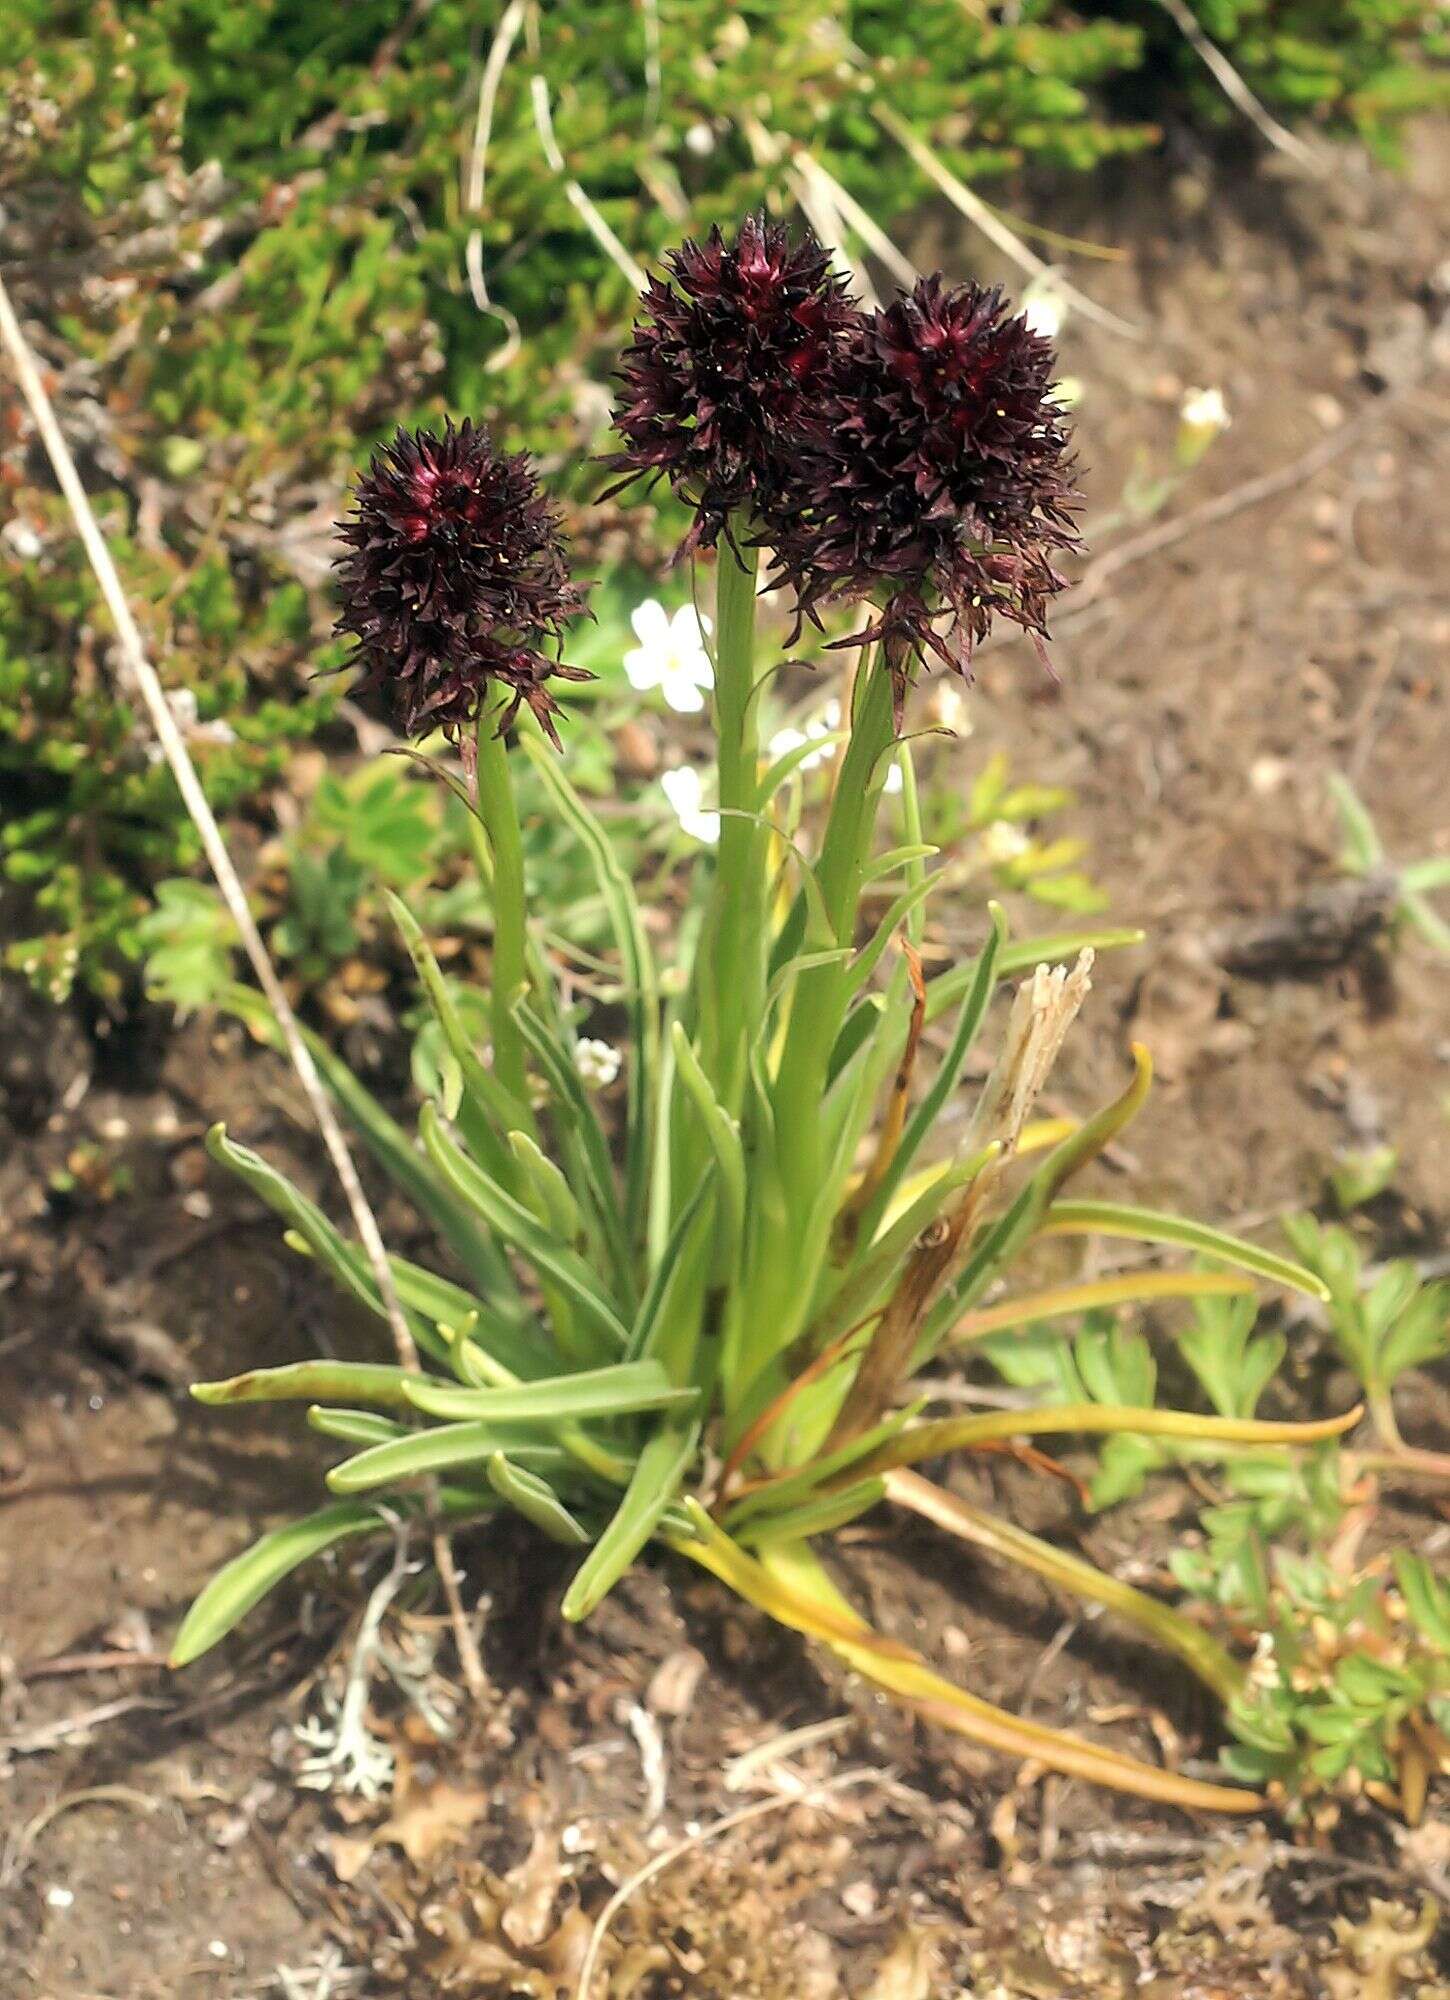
[[453, 581], [936, 479], [725, 366]]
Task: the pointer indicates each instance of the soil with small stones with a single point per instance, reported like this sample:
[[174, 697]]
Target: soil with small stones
[[155, 1838]]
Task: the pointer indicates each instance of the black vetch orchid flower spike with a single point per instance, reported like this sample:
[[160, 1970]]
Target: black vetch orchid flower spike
[[725, 362], [708, 1336], [454, 579], [935, 477]]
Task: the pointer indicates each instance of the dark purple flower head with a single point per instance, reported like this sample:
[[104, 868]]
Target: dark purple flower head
[[936, 477], [453, 580], [723, 369]]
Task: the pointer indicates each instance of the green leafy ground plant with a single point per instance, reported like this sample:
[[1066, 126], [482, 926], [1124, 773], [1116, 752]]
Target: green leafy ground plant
[[1347, 1688], [1412, 884]]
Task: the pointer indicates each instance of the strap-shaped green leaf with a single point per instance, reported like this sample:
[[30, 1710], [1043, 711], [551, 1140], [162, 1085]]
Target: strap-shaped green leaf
[[1362, 849], [362, 1427], [816, 1517], [722, 1131], [791, 1489], [373, 1383], [519, 1345], [871, 953], [582, 1136], [536, 1500], [896, 858], [245, 1580], [394, 1150], [620, 1391], [550, 1195], [555, 1262], [326, 1244], [494, 1109], [1148, 1225], [658, 1474], [859, 1026], [806, 961], [790, 761], [923, 1119], [646, 1334], [641, 980], [442, 1448]]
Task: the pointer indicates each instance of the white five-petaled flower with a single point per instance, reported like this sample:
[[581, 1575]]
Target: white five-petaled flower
[[816, 730], [819, 727], [598, 1062], [1204, 410], [684, 790], [670, 656]]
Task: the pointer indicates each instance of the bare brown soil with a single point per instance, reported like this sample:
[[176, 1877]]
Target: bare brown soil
[[154, 1841]]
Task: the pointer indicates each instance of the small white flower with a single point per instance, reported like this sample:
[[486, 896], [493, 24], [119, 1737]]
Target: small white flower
[[684, 790], [700, 139], [670, 655], [1264, 1667], [182, 703], [819, 727], [22, 539], [1003, 842], [894, 780], [597, 1062], [786, 740], [1044, 307], [949, 708], [1204, 410]]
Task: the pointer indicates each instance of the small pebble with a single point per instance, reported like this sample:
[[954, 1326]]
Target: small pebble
[[859, 1898]]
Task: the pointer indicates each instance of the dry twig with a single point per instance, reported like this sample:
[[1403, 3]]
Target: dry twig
[[676, 1853], [505, 35], [1237, 91]]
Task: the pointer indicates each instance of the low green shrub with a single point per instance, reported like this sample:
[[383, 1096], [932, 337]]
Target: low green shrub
[[1347, 1688], [249, 235], [1358, 65]]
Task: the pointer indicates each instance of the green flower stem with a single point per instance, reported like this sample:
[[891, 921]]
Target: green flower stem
[[794, 1210], [498, 811], [821, 993], [739, 917]]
